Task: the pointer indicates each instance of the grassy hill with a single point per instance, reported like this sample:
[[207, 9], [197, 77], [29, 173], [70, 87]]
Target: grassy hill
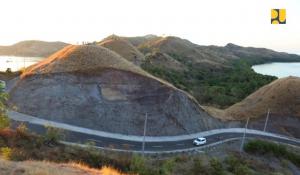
[[214, 75], [281, 97], [91, 83], [124, 48]]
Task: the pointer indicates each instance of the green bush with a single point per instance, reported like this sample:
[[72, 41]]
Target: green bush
[[221, 88], [6, 153], [237, 166], [138, 164], [167, 167], [4, 121], [278, 150], [53, 135]]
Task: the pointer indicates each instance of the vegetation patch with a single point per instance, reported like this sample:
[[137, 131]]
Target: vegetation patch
[[220, 88], [261, 147]]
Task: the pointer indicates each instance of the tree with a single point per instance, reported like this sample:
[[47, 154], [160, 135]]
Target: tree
[[4, 121], [53, 135]]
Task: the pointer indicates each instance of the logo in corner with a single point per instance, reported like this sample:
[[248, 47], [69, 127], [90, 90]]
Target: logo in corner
[[278, 16]]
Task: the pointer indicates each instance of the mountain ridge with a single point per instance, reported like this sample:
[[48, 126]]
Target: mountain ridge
[[32, 48]]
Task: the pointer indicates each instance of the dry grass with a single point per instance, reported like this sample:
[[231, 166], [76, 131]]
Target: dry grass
[[81, 58], [123, 48], [85, 59], [48, 168], [282, 97], [8, 76]]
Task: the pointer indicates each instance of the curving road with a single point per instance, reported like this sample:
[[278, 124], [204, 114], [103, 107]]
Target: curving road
[[80, 136]]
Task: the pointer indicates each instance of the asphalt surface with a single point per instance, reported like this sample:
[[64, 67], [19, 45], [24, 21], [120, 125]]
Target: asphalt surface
[[81, 138]]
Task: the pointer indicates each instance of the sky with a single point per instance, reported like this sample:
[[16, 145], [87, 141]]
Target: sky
[[205, 22]]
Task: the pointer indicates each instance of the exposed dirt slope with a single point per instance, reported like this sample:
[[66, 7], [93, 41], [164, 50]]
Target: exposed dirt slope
[[93, 87], [32, 48], [123, 48], [282, 97]]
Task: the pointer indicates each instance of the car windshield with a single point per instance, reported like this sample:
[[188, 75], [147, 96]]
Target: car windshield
[[200, 139]]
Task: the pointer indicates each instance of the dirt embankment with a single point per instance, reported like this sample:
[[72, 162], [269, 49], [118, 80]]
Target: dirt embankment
[[93, 87]]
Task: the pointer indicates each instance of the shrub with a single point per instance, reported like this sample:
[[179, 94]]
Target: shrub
[[198, 167], [167, 167], [265, 147], [4, 121], [53, 135], [6, 153], [216, 167], [232, 163], [138, 164], [22, 130]]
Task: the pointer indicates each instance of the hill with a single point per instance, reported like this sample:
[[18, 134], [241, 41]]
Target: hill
[[251, 54], [123, 48], [93, 87], [214, 75], [32, 48], [281, 97], [138, 40], [182, 50]]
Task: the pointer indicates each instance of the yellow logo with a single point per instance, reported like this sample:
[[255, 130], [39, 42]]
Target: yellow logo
[[278, 16]]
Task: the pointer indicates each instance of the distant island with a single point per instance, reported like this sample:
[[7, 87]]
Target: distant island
[[32, 48]]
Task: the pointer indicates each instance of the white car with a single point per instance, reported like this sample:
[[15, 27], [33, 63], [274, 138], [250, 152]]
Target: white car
[[199, 141]]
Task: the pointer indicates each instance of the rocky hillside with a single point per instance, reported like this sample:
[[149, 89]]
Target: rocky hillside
[[32, 48], [123, 48], [93, 87]]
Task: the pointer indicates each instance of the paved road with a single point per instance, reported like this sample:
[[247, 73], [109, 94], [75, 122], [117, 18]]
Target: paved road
[[112, 143]]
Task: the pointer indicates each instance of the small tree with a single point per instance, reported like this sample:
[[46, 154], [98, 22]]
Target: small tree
[[22, 130], [4, 121], [53, 135]]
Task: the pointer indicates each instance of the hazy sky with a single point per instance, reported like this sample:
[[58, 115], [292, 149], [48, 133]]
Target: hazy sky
[[205, 22]]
